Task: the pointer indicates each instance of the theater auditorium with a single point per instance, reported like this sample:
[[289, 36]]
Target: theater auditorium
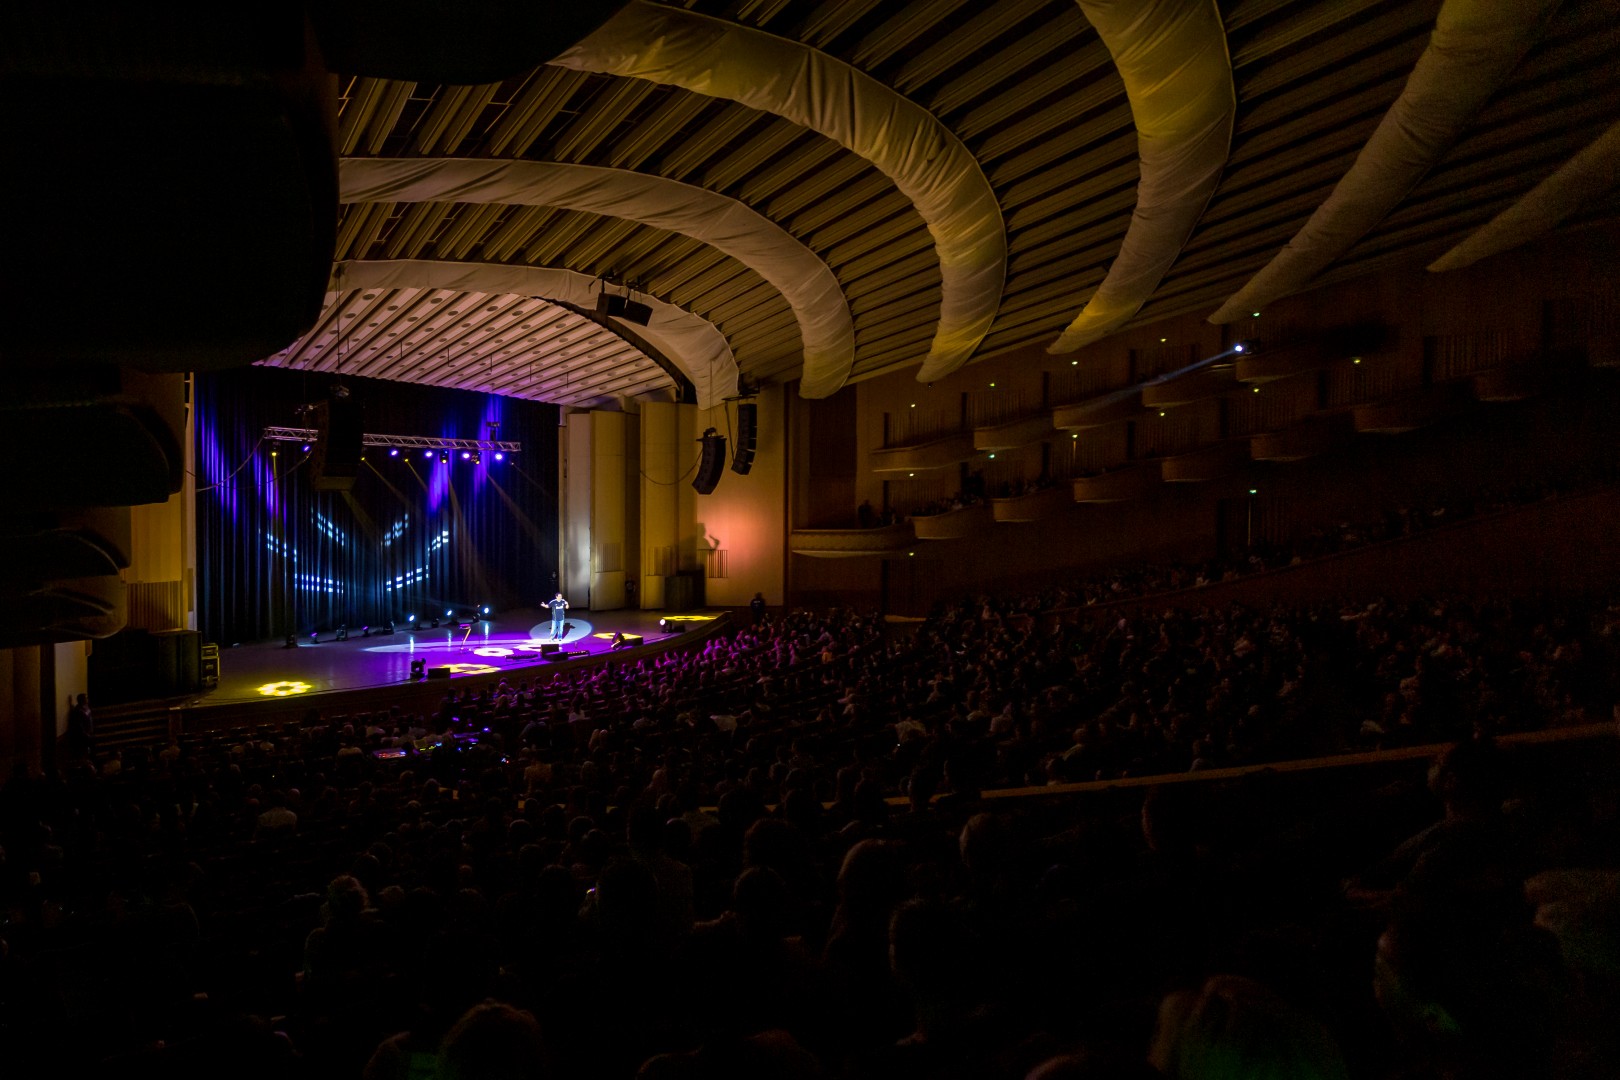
[[1011, 539]]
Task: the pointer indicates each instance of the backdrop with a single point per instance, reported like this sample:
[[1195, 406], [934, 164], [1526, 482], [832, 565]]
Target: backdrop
[[414, 535]]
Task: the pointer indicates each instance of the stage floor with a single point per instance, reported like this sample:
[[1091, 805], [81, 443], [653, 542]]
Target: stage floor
[[271, 670]]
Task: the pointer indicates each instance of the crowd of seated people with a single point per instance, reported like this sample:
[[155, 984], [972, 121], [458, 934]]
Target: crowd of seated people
[[344, 890], [435, 921]]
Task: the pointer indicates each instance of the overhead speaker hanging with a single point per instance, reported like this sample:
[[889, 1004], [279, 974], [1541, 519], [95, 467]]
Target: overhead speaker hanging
[[622, 307], [335, 458], [747, 430], [712, 464]]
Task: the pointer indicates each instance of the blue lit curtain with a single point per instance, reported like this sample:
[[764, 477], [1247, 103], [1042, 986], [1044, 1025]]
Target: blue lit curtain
[[414, 536]]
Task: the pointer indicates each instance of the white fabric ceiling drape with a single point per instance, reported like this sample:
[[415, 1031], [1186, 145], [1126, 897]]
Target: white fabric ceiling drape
[[1173, 59], [690, 341], [926, 161], [1583, 179], [802, 278], [1475, 46]]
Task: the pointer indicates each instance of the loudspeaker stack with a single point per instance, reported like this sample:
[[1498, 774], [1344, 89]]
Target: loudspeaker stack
[[712, 464], [335, 458], [747, 431]]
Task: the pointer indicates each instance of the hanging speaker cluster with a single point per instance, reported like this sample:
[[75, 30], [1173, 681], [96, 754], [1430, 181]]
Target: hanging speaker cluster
[[622, 307], [747, 430], [712, 464], [335, 458]]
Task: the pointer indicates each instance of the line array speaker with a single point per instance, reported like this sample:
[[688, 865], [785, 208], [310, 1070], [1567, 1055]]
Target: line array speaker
[[712, 464], [335, 458], [747, 432]]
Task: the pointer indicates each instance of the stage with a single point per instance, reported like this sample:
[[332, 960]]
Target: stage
[[508, 644]]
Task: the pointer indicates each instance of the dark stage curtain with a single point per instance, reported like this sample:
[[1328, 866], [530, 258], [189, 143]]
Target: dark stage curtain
[[415, 535]]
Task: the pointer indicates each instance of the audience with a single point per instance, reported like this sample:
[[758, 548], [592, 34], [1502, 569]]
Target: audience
[[771, 853]]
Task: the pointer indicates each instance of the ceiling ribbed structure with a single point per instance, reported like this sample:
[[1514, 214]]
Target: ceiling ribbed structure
[[1033, 98]]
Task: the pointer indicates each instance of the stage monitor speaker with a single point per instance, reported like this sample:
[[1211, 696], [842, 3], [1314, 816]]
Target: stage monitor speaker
[[712, 464], [335, 459], [442, 671], [742, 458], [550, 648]]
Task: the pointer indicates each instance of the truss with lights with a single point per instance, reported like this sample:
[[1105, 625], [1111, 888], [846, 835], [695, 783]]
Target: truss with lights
[[409, 442]]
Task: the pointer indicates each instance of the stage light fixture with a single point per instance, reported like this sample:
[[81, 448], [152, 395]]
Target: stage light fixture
[[314, 637], [449, 613], [499, 456], [410, 618], [427, 453], [306, 448], [1239, 347], [418, 669], [478, 457], [444, 457], [292, 641], [393, 451], [485, 609], [343, 632], [466, 455], [365, 631]]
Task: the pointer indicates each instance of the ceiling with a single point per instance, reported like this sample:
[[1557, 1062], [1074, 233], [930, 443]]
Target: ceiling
[[1031, 92]]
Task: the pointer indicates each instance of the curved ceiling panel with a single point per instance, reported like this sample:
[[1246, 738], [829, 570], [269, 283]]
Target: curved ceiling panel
[[926, 161], [725, 224], [1586, 177], [691, 341], [1475, 46], [1178, 76]]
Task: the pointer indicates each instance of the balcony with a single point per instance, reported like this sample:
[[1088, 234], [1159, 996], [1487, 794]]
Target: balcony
[[954, 524], [1212, 381], [1205, 463], [1425, 407], [891, 540], [1098, 411], [1118, 485], [1317, 350], [940, 453], [1035, 506], [1012, 434], [1515, 382], [1317, 435]]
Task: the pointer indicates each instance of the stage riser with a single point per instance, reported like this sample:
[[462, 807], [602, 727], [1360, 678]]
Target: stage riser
[[424, 696]]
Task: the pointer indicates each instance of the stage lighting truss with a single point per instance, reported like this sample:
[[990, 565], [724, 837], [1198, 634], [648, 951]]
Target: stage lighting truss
[[302, 436]]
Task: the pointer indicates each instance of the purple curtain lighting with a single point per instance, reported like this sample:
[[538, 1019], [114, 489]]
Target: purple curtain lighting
[[414, 535]]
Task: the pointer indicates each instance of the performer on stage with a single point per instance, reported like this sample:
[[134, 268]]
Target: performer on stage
[[557, 605]]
